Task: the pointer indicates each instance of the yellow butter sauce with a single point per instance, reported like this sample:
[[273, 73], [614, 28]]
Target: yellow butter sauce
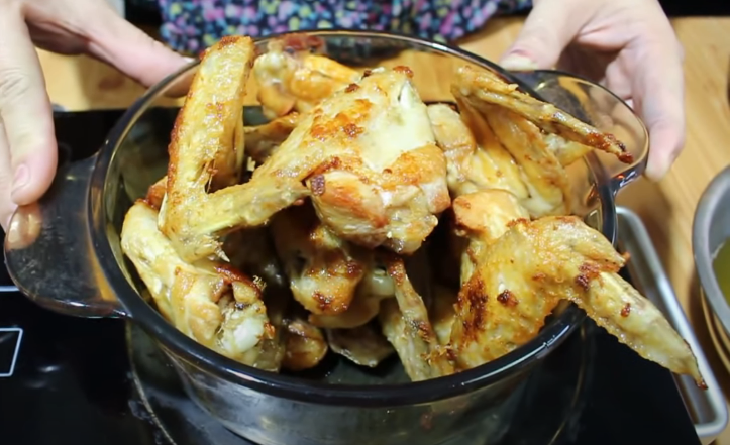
[[721, 265]]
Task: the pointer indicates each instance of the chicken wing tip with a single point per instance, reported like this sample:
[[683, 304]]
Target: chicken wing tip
[[225, 41]]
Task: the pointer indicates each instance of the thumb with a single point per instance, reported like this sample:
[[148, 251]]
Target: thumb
[[127, 48], [28, 140], [549, 28]]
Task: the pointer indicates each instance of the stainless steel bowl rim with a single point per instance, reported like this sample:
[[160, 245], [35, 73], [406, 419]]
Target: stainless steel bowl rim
[[290, 387], [706, 209]]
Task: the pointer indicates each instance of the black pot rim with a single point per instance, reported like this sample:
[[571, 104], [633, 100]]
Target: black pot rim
[[296, 388]]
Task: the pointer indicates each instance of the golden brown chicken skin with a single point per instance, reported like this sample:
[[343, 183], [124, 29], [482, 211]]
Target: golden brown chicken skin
[[369, 160], [406, 325], [208, 301], [209, 128], [305, 345], [523, 275], [384, 181], [323, 270]]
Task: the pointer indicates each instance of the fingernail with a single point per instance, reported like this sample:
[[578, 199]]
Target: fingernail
[[24, 227], [516, 62], [14, 236], [21, 178]]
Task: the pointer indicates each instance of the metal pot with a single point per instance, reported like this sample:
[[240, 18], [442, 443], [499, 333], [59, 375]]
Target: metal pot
[[710, 230], [64, 254]]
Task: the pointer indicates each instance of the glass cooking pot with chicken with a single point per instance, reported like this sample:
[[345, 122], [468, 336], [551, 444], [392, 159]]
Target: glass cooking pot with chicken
[[353, 173], [430, 214]]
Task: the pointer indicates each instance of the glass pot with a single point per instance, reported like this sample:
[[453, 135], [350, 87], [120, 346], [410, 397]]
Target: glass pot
[[64, 254]]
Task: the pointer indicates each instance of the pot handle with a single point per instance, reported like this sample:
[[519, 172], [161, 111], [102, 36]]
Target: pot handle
[[596, 105], [48, 250]]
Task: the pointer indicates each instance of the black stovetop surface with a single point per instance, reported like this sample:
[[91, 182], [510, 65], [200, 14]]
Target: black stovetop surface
[[71, 382]]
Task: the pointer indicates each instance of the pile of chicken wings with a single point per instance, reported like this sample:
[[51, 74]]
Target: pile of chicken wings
[[333, 226]]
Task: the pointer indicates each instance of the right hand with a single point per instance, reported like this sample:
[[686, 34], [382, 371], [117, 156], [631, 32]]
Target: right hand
[[28, 148], [628, 46]]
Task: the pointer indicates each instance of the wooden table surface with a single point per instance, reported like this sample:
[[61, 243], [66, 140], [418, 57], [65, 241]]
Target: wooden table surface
[[667, 208]]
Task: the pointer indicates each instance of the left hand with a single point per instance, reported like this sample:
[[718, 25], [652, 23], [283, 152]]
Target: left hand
[[628, 46], [28, 147]]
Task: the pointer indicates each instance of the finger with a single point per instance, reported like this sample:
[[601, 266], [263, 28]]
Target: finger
[[659, 100], [7, 207], [547, 31], [666, 141], [124, 46], [26, 112]]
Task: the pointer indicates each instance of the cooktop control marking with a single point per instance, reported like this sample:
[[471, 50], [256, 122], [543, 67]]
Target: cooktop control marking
[[10, 339]]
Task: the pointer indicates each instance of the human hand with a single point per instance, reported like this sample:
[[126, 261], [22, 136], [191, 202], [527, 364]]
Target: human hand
[[626, 45], [28, 148]]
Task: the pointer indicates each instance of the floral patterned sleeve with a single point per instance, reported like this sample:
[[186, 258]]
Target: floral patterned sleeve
[[192, 25]]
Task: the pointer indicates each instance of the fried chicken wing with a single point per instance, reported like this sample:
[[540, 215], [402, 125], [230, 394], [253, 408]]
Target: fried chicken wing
[[482, 218], [475, 159], [504, 139], [305, 345], [407, 327], [534, 265], [291, 78], [481, 88], [208, 301], [209, 128], [374, 287], [368, 187], [384, 181], [323, 270], [442, 313]]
